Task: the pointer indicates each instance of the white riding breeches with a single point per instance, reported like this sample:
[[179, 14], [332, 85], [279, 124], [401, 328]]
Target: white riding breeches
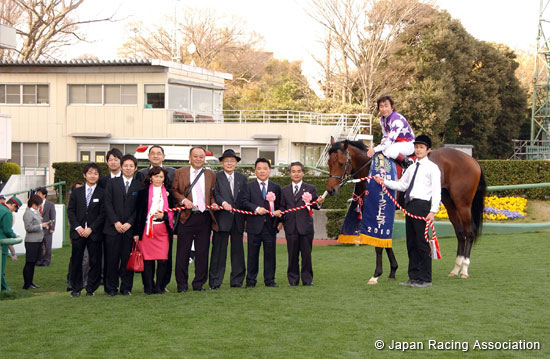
[[405, 148]]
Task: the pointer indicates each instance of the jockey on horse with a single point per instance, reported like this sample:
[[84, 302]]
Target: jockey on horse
[[398, 140]]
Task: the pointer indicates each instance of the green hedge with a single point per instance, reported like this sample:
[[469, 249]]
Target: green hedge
[[71, 173], [7, 169], [501, 173]]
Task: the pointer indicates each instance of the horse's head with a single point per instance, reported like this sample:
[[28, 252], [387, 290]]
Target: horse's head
[[346, 159], [339, 165]]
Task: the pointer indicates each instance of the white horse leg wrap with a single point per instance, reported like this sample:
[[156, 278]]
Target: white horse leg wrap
[[458, 265], [465, 265]]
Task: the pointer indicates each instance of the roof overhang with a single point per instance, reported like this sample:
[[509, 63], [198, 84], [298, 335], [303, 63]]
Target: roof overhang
[[90, 135], [195, 84]]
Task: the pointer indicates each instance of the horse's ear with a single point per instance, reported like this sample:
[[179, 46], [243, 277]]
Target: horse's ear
[[346, 143], [331, 140]]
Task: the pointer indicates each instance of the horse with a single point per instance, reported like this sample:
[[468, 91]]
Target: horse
[[463, 189]]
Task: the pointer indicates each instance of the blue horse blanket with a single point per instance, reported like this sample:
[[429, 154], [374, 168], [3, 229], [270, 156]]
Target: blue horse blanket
[[370, 216]]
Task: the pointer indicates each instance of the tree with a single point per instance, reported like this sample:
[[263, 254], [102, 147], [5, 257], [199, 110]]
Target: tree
[[45, 26], [363, 33]]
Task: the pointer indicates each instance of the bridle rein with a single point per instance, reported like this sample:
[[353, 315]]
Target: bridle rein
[[345, 178]]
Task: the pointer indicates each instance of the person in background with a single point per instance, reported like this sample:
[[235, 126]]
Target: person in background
[[298, 225], [47, 211], [86, 215], [120, 213], [154, 228], [11, 248], [6, 231], [114, 162], [34, 226], [262, 227]]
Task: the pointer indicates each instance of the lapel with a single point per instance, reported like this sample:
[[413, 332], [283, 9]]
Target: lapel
[[226, 183]]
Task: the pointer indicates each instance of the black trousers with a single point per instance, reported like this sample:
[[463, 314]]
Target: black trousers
[[167, 276], [151, 286], [95, 249], [117, 252], [418, 249], [196, 229], [32, 255], [254, 243], [218, 258], [297, 244]]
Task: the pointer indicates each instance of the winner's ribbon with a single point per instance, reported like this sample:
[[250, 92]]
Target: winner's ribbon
[[306, 197], [270, 197]]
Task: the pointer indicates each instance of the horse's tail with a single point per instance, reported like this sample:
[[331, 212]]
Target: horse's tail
[[478, 204]]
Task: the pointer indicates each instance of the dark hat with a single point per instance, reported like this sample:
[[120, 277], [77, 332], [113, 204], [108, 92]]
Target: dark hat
[[2, 197], [15, 200], [423, 139], [229, 153]]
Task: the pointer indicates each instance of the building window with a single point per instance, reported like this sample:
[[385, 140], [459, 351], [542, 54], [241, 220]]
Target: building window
[[125, 148], [120, 94], [179, 97], [102, 94], [309, 154], [202, 100], [24, 94], [154, 96], [249, 155], [30, 154]]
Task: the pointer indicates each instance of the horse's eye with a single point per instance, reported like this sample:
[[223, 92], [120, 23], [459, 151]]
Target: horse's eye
[[340, 164]]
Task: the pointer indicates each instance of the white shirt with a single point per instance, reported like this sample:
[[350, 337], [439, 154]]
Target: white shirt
[[200, 183], [129, 180], [299, 184], [116, 175], [427, 184], [157, 202]]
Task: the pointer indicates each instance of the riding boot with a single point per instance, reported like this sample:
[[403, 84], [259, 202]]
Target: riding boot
[[404, 161]]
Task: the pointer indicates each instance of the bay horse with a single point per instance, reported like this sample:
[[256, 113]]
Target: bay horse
[[463, 190]]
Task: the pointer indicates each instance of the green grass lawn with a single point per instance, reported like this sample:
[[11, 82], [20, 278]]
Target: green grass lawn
[[506, 298]]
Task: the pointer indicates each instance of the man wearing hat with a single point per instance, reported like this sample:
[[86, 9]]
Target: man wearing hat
[[422, 186], [6, 231], [229, 188]]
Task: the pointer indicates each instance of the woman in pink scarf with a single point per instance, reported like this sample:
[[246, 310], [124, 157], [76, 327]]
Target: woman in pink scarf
[[154, 228]]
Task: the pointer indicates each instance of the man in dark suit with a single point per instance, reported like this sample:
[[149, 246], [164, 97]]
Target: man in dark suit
[[85, 212], [156, 157], [194, 224], [298, 225], [47, 210], [262, 227], [114, 158], [120, 213], [230, 186]]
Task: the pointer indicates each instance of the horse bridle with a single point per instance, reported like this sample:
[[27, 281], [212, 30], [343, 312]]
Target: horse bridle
[[343, 179]]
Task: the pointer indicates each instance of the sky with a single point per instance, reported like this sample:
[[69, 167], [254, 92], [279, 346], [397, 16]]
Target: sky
[[289, 32]]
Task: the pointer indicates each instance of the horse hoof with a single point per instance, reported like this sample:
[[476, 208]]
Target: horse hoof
[[464, 276], [391, 278], [452, 274], [373, 280]]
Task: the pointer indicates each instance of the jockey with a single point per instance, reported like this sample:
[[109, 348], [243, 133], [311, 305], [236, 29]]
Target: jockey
[[398, 140]]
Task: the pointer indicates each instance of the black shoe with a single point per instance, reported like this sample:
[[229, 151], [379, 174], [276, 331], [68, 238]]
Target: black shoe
[[309, 284], [272, 285], [75, 294], [69, 288], [126, 292], [34, 286], [26, 287], [293, 284], [201, 289], [110, 294], [248, 285], [182, 290], [408, 283], [407, 162], [216, 287], [236, 286], [90, 294], [421, 284]]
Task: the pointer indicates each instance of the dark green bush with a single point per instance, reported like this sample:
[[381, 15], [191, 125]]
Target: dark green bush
[[7, 169], [501, 173], [335, 219]]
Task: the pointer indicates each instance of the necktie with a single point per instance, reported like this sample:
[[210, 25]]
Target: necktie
[[200, 194], [409, 189], [232, 185], [88, 197], [40, 209], [264, 191], [295, 190], [127, 186]]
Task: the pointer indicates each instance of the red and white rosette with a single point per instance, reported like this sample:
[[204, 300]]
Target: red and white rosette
[[307, 197], [270, 197]]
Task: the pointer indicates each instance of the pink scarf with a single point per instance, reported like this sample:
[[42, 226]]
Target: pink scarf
[[164, 207]]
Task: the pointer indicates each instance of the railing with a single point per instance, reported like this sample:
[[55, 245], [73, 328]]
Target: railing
[[531, 150], [270, 116], [57, 184]]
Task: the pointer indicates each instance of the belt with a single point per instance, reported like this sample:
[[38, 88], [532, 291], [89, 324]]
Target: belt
[[198, 212]]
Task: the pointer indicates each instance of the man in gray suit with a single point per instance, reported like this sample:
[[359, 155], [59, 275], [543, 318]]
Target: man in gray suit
[[47, 210], [229, 187]]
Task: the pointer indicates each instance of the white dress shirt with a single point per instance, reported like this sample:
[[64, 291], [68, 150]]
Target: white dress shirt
[[427, 184], [200, 182], [299, 184]]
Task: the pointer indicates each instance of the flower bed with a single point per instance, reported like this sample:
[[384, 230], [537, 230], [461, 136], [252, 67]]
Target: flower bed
[[497, 208]]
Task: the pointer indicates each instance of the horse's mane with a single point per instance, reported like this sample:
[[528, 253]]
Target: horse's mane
[[336, 146]]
